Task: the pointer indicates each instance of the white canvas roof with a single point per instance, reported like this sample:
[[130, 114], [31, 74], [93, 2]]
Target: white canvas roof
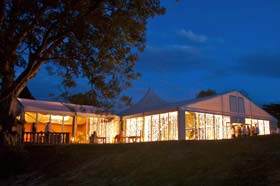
[[58, 108], [218, 104], [151, 101], [44, 107]]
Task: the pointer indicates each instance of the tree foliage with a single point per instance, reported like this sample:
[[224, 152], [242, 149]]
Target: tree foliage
[[98, 40], [274, 110], [205, 93], [89, 97]]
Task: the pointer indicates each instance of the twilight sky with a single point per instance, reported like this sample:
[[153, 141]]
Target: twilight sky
[[203, 44]]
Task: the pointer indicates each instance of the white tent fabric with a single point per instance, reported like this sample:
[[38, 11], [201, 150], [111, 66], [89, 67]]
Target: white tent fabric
[[58, 108], [45, 107], [151, 101]]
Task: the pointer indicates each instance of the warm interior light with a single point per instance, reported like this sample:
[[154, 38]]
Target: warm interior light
[[56, 117], [156, 127]]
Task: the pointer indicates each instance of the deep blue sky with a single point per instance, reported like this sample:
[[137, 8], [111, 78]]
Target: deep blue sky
[[205, 44]]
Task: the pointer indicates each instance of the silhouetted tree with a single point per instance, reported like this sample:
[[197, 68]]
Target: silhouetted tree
[[205, 93], [274, 110], [94, 39], [104, 104]]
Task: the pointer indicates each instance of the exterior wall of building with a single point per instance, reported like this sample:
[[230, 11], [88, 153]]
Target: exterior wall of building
[[221, 104], [240, 114], [151, 127], [206, 126], [213, 118], [80, 128], [221, 117], [104, 128]]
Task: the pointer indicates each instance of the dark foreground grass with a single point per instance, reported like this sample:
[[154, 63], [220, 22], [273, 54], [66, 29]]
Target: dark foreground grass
[[248, 161]]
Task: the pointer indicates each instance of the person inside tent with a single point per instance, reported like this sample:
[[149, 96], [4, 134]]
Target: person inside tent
[[47, 132]]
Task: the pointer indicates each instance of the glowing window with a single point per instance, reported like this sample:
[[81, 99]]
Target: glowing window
[[266, 127], [261, 127]]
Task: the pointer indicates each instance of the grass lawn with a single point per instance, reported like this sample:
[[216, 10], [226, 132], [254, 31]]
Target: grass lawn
[[248, 161]]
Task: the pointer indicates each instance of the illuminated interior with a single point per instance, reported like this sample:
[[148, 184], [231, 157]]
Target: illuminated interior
[[85, 126], [158, 127], [103, 128], [263, 125], [202, 126], [59, 123]]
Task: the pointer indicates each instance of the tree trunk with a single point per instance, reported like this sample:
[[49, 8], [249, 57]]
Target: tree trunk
[[9, 130], [8, 111]]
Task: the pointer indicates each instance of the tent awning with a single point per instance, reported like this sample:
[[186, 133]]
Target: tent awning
[[44, 107]]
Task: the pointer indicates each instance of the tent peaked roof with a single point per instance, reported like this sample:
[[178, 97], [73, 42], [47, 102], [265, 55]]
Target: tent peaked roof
[[151, 98], [149, 102]]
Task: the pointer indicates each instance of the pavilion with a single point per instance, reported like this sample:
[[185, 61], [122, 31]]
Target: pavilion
[[151, 119], [80, 121], [209, 118]]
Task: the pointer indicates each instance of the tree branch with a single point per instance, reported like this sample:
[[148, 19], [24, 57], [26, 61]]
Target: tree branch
[[28, 28], [55, 44], [34, 64]]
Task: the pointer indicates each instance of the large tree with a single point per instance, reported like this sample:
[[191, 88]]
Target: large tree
[[206, 93], [274, 110], [94, 39]]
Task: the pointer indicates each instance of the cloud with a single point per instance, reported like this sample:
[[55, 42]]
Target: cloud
[[192, 36], [265, 65], [173, 59], [249, 66]]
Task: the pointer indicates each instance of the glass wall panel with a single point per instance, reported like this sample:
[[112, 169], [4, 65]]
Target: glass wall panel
[[147, 128], [68, 120], [43, 118], [266, 127], [209, 126], [190, 125], [254, 122], [200, 126], [164, 127], [248, 121], [218, 126], [134, 126], [139, 126], [112, 129], [92, 125], [158, 127], [56, 119], [103, 128], [261, 127], [30, 117], [155, 128], [173, 125], [227, 127], [131, 127]]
